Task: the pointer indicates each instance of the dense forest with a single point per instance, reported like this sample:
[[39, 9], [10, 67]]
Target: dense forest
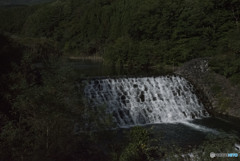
[[137, 33], [36, 114]]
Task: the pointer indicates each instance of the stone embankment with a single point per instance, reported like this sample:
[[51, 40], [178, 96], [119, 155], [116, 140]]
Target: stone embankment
[[218, 93]]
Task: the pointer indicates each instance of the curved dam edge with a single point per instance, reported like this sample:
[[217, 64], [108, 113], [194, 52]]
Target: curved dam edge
[[220, 97]]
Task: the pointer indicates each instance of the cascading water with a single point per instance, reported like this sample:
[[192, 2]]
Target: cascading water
[[148, 100]]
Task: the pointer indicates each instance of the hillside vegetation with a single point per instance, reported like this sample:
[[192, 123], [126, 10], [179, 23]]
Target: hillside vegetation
[[139, 33], [40, 102]]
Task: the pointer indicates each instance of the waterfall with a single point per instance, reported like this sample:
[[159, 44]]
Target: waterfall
[[147, 100]]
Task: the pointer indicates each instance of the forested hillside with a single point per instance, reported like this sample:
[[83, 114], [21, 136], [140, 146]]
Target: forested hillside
[[137, 32], [39, 99]]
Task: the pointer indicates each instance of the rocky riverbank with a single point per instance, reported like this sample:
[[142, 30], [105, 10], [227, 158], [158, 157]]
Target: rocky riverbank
[[220, 95]]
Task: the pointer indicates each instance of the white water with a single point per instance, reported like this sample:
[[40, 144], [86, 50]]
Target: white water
[[138, 101], [199, 127]]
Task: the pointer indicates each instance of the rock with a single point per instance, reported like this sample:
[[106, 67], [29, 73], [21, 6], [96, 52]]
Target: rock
[[237, 147], [216, 92]]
